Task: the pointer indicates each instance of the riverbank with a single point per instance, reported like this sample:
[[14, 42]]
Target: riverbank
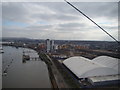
[[49, 64], [32, 74], [56, 77]]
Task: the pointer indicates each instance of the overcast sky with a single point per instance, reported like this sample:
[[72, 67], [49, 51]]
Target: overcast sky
[[58, 20]]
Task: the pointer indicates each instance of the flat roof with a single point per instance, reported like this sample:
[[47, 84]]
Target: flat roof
[[105, 78]]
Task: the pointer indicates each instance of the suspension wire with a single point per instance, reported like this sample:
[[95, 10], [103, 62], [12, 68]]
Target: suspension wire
[[91, 20]]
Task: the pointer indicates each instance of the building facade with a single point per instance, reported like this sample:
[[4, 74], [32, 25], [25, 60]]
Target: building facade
[[49, 45]]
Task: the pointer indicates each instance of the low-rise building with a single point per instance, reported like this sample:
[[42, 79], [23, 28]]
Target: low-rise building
[[102, 70]]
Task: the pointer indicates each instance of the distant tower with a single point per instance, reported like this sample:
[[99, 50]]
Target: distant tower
[[52, 45], [48, 45]]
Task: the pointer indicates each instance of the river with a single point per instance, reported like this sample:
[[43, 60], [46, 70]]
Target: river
[[32, 74]]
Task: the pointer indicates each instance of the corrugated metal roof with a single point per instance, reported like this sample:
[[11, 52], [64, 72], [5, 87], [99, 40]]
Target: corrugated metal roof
[[83, 67], [107, 61]]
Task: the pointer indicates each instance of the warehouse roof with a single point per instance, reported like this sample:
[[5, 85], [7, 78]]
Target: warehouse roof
[[107, 61], [83, 67]]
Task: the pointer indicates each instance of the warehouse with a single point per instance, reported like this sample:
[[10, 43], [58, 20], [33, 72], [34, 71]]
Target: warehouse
[[100, 68], [104, 80]]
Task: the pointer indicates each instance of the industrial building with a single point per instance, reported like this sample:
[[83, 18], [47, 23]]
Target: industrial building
[[102, 70]]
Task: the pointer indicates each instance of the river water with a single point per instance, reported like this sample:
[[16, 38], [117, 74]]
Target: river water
[[32, 74]]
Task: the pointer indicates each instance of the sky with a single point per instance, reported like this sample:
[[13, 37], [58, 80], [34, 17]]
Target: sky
[[59, 21]]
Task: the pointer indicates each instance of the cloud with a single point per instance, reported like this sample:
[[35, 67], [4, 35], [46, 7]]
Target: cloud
[[99, 9], [14, 12], [72, 25], [58, 20]]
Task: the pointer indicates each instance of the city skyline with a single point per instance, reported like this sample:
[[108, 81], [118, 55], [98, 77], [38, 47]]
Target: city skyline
[[57, 20]]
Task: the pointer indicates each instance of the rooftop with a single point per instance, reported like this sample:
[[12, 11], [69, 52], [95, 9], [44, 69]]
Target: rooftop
[[100, 66]]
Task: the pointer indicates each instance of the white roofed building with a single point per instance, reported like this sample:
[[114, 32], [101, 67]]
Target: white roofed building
[[108, 61], [101, 66]]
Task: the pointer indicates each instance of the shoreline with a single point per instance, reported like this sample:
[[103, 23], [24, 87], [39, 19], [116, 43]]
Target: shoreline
[[48, 64], [44, 58]]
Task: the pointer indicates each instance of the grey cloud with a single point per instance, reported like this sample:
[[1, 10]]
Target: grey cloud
[[40, 28], [18, 11], [92, 9], [56, 13], [13, 11], [111, 28], [55, 17], [99, 9], [58, 7], [70, 25]]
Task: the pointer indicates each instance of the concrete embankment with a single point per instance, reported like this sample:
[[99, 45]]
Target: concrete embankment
[[49, 64], [56, 78]]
